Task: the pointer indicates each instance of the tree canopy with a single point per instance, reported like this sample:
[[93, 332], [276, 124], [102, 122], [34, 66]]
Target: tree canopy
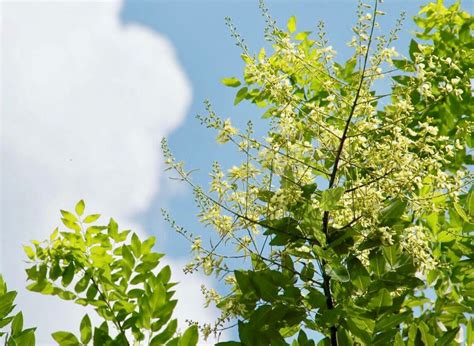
[[355, 208]]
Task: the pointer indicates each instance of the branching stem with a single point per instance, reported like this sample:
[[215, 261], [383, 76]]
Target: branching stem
[[325, 227]]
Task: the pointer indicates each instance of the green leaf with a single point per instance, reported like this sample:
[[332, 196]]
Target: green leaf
[[359, 275], [413, 49], [113, 229], [6, 302], [80, 206], [68, 274], [128, 256], [56, 271], [391, 254], [316, 299], [398, 340], [349, 67], [461, 212], [377, 263], [69, 216], [147, 245], [86, 329], [29, 252], [173, 342], [470, 331], [426, 337], [42, 287], [404, 65], [243, 281], [136, 246], [121, 339], [5, 321], [91, 218], [65, 339], [291, 24], [338, 272], [289, 331], [361, 328], [25, 338], [448, 338], [240, 95], [403, 80], [432, 221], [101, 337], [71, 225], [165, 274], [17, 324], [330, 197], [392, 213], [263, 285], [389, 320], [301, 36], [230, 82], [470, 203], [445, 236], [382, 300], [166, 335], [82, 284], [343, 337], [190, 337], [91, 292]]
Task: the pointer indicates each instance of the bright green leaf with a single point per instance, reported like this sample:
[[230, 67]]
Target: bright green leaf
[[29, 252], [190, 337], [65, 339], [241, 94], [86, 329], [91, 218], [17, 324], [231, 82], [166, 335], [80, 206], [291, 25]]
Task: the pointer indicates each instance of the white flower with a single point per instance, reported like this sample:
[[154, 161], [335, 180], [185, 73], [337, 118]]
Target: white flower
[[226, 132]]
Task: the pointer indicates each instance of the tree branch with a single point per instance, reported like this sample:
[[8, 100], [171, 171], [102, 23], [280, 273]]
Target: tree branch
[[325, 227]]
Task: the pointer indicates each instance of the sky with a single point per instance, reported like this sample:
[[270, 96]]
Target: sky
[[88, 89]]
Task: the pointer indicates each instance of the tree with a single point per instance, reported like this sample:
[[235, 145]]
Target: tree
[[354, 210], [111, 271]]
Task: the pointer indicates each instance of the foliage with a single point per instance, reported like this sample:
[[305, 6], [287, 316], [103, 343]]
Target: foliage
[[354, 210], [112, 271], [16, 335]]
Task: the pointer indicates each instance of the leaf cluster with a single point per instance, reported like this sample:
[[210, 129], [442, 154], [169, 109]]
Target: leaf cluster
[[115, 273], [16, 335]]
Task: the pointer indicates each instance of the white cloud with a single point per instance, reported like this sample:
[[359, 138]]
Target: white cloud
[[84, 104]]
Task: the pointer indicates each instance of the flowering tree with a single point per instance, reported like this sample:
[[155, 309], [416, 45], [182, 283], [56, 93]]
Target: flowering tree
[[354, 210]]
